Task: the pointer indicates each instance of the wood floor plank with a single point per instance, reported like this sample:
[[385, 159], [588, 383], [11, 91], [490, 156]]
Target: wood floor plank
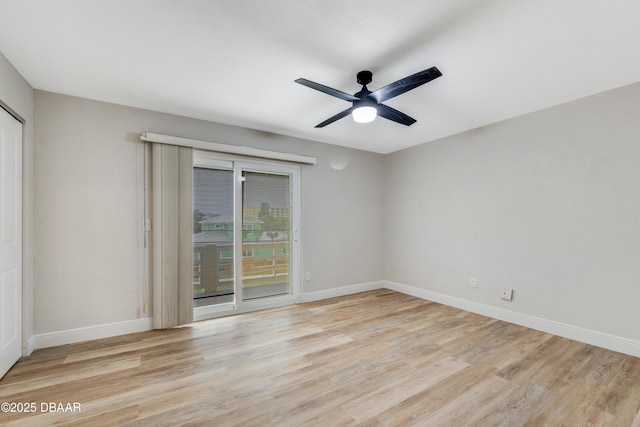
[[378, 358], [415, 409], [68, 374], [518, 407], [575, 405], [622, 396], [470, 407], [391, 393]]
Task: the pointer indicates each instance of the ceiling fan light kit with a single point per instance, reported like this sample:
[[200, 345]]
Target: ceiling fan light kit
[[364, 113], [367, 105]]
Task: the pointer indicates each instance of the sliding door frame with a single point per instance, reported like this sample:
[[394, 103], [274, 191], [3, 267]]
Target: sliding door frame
[[238, 165], [293, 172]]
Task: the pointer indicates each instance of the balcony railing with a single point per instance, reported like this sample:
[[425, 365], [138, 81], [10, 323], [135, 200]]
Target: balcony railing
[[263, 263]]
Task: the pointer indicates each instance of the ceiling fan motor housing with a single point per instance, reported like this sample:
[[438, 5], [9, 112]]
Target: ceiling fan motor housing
[[364, 77], [365, 99]]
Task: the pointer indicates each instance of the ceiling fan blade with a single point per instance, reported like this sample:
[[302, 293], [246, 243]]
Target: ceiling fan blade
[[406, 84], [338, 116], [326, 89], [395, 115]]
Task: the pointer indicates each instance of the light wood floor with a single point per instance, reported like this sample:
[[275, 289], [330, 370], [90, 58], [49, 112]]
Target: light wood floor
[[374, 359]]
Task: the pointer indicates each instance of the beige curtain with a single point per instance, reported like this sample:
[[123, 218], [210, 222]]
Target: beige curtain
[[172, 232]]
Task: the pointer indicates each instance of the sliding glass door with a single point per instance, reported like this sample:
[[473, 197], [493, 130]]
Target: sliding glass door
[[245, 242], [213, 231], [266, 234]]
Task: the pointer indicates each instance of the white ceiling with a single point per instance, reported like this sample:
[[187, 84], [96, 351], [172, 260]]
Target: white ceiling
[[235, 61]]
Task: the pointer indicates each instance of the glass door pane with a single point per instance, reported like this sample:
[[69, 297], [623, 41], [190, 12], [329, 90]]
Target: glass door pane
[[213, 229], [266, 233]]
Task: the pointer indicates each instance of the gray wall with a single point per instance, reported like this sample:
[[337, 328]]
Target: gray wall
[[547, 203], [88, 198], [17, 95]]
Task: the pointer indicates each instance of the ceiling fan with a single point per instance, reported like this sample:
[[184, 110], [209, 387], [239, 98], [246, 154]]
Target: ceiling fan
[[367, 105]]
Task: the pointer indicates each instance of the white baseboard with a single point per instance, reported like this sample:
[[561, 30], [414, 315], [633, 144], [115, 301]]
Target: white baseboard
[[70, 336], [588, 336], [342, 291]]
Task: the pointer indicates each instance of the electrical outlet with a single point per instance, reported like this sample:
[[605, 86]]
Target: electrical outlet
[[307, 276], [507, 293], [473, 282]]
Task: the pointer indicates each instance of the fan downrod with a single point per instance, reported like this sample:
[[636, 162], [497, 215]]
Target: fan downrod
[[364, 77]]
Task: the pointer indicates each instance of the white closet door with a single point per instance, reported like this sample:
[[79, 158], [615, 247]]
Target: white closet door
[[10, 241]]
